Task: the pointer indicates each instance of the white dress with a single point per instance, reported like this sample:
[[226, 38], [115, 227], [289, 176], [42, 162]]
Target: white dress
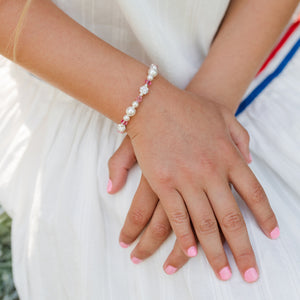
[[53, 168]]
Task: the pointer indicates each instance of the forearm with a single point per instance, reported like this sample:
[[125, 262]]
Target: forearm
[[65, 54], [245, 38]]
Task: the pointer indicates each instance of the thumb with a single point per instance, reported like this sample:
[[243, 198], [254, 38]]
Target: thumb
[[119, 165], [241, 138]]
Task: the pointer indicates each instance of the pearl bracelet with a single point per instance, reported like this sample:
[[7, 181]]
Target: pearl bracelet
[[144, 89]]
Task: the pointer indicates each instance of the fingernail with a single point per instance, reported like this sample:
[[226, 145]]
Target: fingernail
[[250, 159], [192, 251], [275, 233], [250, 275], [109, 186], [135, 260], [225, 273], [123, 245], [170, 270]]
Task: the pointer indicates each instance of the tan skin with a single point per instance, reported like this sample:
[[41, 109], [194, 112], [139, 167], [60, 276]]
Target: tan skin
[[90, 74]]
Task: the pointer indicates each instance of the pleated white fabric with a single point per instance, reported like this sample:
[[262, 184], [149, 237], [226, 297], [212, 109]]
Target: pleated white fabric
[[53, 169]]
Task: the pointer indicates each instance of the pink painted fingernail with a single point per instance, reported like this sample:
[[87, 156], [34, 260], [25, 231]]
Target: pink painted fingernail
[[123, 245], [136, 260], [192, 251], [170, 270], [250, 275], [275, 233], [225, 273], [109, 186], [250, 158]]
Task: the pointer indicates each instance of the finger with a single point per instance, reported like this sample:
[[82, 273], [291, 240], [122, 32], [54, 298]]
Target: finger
[[155, 234], [176, 260], [207, 231], [139, 214], [180, 221], [234, 228], [119, 165], [253, 194], [241, 138]]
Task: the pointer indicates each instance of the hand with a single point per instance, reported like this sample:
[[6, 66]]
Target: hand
[[190, 171], [144, 207]]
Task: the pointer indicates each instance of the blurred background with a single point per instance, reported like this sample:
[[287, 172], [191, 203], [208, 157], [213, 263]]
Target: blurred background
[[7, 288]]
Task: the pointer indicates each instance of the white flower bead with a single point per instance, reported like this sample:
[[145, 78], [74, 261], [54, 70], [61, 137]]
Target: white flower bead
[[135, 104], [144, 90], [150, 77], [152, 72], [130, 111], [154, 67], [121, 128], [126, 118]]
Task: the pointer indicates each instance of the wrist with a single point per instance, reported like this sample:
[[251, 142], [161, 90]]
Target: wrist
[[230, 103], [155, 105]]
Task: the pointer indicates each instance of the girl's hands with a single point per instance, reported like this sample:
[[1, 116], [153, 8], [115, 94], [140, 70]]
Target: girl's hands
[[189, 157], [146, 209]]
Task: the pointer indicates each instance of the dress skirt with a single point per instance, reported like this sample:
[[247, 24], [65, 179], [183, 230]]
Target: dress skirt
[[53, 176]]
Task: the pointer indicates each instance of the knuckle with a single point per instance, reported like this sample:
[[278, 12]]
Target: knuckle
[[217, 259], [246, 135], [114, 162], [233, 221], [163, 176], [207, 225], [178, 259], [209, 168], [137, 217], [269, 219], [210, 163], [125, 236], [185, 238], [245, 256], [258, 194], [225, 146], [160, 230], [142, 252], [178, 254], [111, 162], [179, 217]]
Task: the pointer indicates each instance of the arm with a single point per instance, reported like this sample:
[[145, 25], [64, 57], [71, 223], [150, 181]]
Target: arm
[[248, 32], [65, 54]]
